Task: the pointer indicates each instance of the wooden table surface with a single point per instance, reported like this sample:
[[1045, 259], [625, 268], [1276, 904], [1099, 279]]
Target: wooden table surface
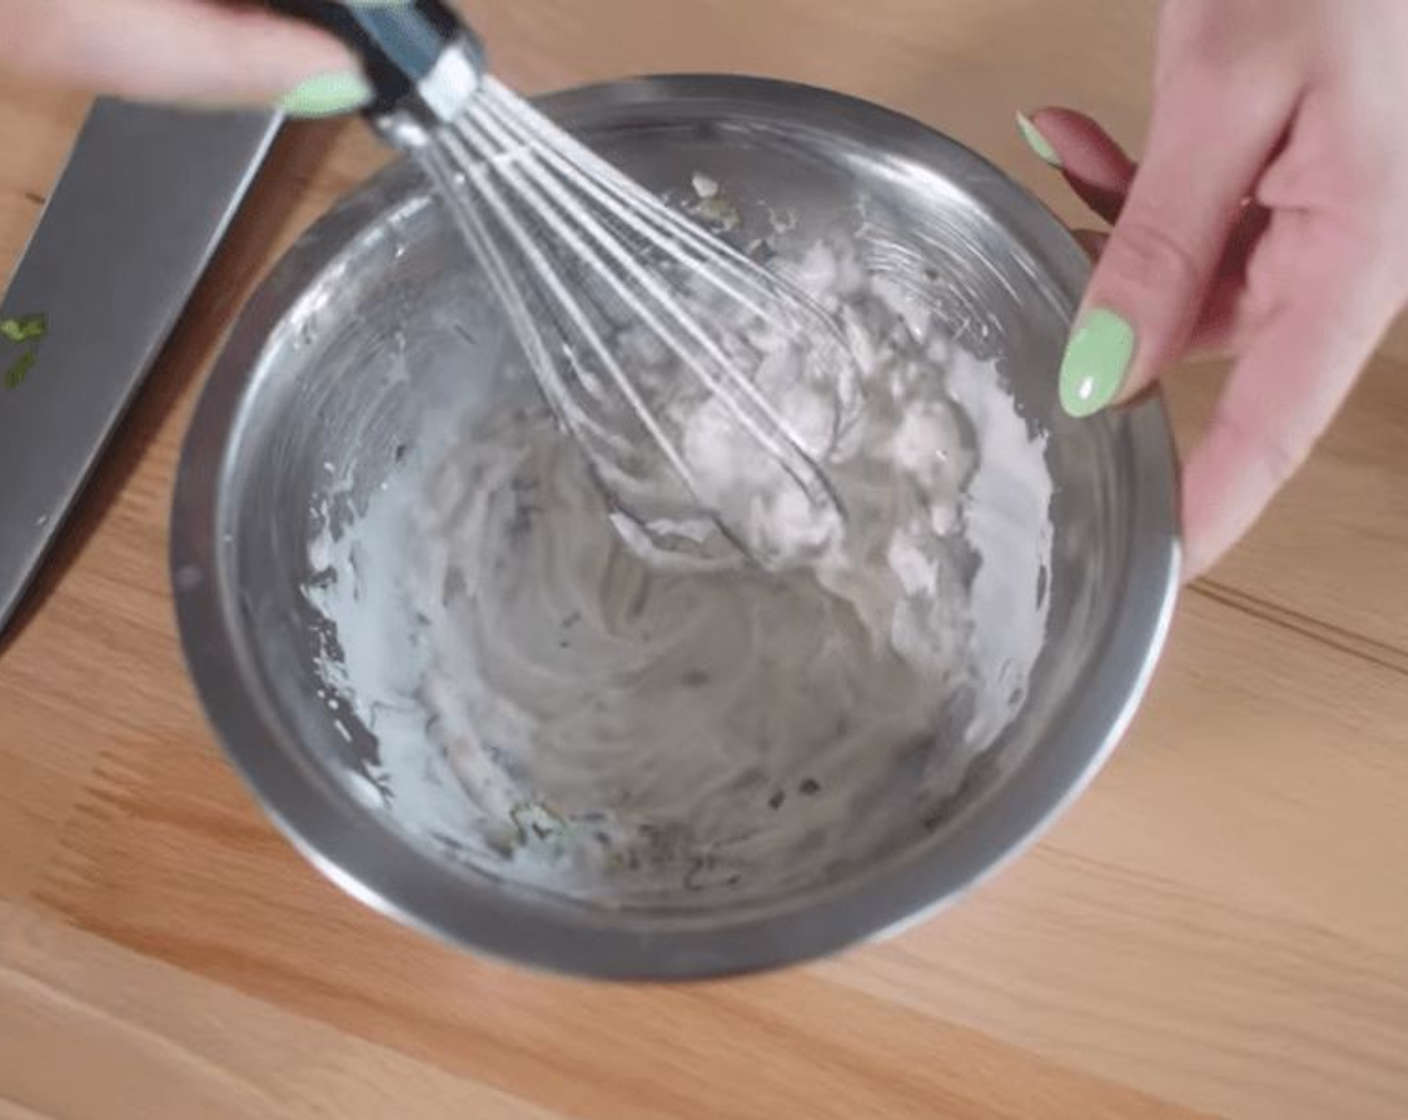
[[1219, 927]]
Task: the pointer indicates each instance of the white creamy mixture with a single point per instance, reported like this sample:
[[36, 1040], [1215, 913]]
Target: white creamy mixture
[[561, 709]]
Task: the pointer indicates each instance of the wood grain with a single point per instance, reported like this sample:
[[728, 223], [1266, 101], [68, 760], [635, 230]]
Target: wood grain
[[1220, 927]]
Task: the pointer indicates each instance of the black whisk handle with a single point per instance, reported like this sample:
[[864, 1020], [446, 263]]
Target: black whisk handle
[[400, 42]]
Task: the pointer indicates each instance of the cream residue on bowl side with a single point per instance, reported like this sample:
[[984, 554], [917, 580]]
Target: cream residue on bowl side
[[564, 712]]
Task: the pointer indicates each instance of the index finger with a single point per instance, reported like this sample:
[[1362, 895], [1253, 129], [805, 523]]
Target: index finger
[[170, 50], [1285, 389]]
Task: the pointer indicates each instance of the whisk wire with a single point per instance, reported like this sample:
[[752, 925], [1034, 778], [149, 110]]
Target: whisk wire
[[720, 264], [594, 271], [489, 255], [665, 235], [531, 180], [568, 305], [717, 262]]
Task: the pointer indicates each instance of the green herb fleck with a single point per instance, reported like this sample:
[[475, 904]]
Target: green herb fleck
[[537, 824], [719, 214], [19, 369], [25, 328]]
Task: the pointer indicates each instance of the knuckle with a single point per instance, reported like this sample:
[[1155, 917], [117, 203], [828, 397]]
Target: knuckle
[[1278, 459], [1200, 66], [1148, 257], [1206, 44], [1235, 68], [1276, 456]]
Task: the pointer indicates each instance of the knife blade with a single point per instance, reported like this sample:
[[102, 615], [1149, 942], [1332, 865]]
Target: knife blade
[[143, 202]]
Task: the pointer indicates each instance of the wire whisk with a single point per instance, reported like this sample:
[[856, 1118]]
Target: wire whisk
[[704, 390], [655, 342]]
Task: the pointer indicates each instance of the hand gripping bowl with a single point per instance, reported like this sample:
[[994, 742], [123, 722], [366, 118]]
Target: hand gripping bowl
[[300, 396]]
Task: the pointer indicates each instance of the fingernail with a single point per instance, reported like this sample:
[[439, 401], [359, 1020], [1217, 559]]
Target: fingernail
[[327, 95], [1096, 362], [1036, 141]]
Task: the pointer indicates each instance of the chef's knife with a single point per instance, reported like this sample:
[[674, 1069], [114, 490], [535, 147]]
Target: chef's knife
[[144, 201]]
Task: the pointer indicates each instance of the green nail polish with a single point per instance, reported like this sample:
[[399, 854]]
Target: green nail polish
[[1096, 362], [327, 95], [1036, 141]]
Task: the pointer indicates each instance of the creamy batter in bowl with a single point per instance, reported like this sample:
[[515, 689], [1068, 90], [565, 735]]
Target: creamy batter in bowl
[[475, 706]]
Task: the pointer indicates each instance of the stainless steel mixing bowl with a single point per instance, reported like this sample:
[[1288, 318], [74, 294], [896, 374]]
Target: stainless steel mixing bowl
[[299, 394]]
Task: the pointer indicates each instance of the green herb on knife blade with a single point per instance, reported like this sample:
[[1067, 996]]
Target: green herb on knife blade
[[25, 328], [18, 370]]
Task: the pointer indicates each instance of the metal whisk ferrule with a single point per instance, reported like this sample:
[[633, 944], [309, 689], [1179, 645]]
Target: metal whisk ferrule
[[439, 98]]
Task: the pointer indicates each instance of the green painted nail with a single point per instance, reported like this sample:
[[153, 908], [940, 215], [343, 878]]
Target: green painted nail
[[1036, 141], [1096, 362], [327, 95]]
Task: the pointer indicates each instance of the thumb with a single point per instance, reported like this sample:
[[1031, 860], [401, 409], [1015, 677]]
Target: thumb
[[1208, 143]]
